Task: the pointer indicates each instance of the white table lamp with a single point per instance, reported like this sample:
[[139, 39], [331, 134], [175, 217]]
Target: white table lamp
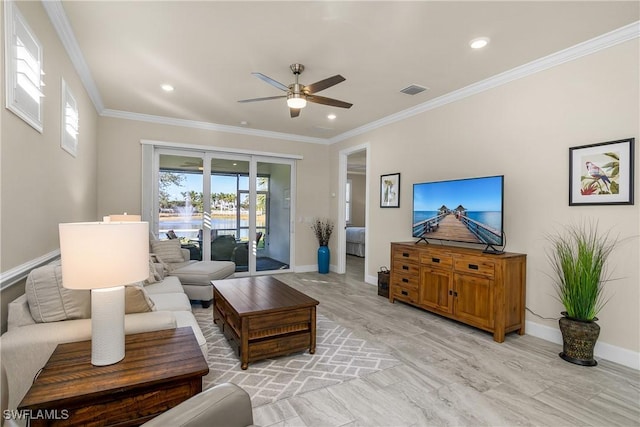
[[103, 257]]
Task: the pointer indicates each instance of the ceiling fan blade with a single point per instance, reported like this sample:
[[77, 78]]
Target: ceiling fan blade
[[263, 99], [324, 84], [295, 112], [328, 101], [271, 81]]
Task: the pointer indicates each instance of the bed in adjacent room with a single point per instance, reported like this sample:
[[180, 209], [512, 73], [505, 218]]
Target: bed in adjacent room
[[355, 241]]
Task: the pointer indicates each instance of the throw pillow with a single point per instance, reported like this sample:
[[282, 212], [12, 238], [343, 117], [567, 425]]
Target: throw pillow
[[49, 301], [136, 300], [154, 275], [162, 268], [167, 250]]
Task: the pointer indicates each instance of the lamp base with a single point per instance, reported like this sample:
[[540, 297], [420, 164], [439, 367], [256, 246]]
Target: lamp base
[[107, 326]]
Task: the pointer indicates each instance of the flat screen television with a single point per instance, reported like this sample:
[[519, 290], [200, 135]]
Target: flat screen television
[[461, 210]]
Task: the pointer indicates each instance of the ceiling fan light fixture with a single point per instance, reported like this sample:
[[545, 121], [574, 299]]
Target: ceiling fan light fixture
[[296, 100]]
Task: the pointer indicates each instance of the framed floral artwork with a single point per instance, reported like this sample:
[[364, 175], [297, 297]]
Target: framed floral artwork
[[390, 190], [601, 174]]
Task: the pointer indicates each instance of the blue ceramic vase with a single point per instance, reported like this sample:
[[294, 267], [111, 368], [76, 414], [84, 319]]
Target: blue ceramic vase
[[323, 259]]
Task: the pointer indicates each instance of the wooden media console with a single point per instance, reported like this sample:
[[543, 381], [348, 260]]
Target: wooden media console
[[482, 290]]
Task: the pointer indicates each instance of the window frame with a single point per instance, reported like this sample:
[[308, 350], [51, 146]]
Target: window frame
[[31, 47]]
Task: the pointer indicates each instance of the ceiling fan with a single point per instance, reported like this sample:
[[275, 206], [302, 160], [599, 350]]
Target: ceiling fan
[[298, 94]]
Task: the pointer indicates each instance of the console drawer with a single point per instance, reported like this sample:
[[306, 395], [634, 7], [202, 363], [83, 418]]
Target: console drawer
[[474, 266], [444, 261], [404, 293], [401, 266], [409, 281], [406, 254]]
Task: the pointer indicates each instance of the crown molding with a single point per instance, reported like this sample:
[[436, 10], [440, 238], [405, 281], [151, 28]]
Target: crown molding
[[117, 114], [199, 147], [60, 22], [58, 18], [604, 41]]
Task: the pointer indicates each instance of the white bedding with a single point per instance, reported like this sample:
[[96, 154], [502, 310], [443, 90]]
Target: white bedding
[[355, 241], [355, 234]]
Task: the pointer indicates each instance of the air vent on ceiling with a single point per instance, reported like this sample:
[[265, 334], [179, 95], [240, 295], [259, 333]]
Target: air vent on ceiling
[[413, 89]]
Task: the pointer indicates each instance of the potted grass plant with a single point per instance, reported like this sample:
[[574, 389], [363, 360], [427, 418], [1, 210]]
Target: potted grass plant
[[323, 228], [579, 259]]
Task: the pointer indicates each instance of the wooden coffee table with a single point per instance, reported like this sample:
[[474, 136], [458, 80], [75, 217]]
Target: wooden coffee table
[[262, 317], [159, 370]]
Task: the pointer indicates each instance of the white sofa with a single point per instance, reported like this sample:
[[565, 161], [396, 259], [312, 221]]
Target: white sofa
[[27, 345], [195, 276]]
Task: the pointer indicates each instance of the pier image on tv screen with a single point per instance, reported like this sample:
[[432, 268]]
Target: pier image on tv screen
[[463, 210]]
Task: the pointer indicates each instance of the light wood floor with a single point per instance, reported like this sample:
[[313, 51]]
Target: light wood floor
[[451, 374]]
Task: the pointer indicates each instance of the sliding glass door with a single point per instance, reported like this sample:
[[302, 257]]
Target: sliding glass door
[[180, 203], [246, 218], [273, 216]]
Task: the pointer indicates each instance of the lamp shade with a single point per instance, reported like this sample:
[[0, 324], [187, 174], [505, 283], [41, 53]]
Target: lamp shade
[[99, 255]]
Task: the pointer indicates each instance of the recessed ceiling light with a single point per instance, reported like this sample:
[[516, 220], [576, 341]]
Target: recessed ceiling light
[[244, 123], [331, 117], [167, 87], [479, 43]]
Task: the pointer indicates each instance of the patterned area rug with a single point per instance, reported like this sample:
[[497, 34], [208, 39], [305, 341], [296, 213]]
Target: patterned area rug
[[339, 357]]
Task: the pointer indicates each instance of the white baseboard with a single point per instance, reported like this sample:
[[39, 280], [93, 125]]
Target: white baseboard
[[311, 268], [305, 268], [603, 350], [372, 280]]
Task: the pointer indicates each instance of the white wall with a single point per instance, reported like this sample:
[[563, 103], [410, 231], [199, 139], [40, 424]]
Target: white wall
[[523, 130], [358, 196], [41, 184]]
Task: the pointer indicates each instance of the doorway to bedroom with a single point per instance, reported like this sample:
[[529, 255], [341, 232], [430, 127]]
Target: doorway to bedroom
[[353, 212]]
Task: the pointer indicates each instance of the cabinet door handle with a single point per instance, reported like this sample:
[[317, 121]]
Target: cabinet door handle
[[450, 292], [405, 267], [436, 260], [473, 267], [405, 280], [405, 293], [455, 294], [404, 254]]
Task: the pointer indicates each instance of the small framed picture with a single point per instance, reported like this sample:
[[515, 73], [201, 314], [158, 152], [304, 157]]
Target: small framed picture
[[390, 190], [601, 174]]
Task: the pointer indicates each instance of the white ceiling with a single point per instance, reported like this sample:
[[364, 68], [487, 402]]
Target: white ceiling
[[208, 49]]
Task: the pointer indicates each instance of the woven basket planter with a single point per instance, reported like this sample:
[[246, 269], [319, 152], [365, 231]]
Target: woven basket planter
[[579, 339]]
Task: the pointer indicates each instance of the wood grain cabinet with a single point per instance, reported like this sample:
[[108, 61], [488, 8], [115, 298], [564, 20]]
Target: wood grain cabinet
[[482, 290]]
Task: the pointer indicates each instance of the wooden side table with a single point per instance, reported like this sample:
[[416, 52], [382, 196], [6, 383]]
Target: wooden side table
[[160, 369]]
